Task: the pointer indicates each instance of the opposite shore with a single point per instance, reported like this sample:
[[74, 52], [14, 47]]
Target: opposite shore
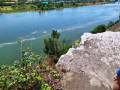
[[41, 7]]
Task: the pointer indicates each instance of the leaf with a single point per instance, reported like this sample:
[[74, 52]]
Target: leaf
[[39, 78]]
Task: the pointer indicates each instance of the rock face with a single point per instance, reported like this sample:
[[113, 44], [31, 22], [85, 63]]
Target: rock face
[[96, 58]]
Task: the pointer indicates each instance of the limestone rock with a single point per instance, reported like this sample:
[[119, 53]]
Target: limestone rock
[[97, 56]]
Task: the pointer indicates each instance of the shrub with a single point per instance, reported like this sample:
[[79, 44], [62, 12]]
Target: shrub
[[99, 29], [116, 21], [110, 24], [29, 76], [55, 48]]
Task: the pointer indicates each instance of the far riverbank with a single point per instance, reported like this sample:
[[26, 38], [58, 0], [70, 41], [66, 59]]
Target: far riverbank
[[38, 6]]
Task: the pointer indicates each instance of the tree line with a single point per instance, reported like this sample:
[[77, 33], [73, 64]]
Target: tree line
[[25, 5], [36, 5]]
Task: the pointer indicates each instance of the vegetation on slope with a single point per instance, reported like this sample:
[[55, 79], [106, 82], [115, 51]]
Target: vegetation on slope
[[31, 74], [103, 27], [99, 29]]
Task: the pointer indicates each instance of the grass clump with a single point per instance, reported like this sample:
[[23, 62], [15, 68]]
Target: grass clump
[[76, 43]]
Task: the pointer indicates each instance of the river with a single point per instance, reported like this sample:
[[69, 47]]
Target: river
[[70, 22]]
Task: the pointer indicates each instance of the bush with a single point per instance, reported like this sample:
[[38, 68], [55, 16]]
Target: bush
[[116, 21], [99, 29], [110, 24], [53, 47], [28, 75]]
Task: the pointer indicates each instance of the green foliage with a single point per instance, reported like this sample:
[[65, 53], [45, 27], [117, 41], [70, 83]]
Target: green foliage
[[22, 5], [54, 47], [99, 29], [27, 77], [37, 5], [55, 34], [76, 43], [116, 21], [57, 75], [1, 3], [51, 5], [110, 24], [79, 40], [22, 1], [103, 28]]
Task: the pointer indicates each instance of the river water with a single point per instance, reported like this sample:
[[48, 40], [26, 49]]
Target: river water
[[70, 22]]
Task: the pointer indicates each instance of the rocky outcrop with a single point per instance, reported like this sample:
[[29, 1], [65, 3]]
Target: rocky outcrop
[[96, 58]]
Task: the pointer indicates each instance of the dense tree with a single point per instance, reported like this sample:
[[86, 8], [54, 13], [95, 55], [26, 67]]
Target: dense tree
[[99, 29]]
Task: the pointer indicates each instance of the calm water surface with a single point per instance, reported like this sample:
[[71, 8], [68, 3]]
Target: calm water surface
[[70, 22]]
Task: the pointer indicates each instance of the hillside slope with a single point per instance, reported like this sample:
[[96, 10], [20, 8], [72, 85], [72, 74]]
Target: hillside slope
[[93, 63]]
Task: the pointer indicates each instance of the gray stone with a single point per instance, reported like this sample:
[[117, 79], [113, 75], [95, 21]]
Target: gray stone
[[98, 56]]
